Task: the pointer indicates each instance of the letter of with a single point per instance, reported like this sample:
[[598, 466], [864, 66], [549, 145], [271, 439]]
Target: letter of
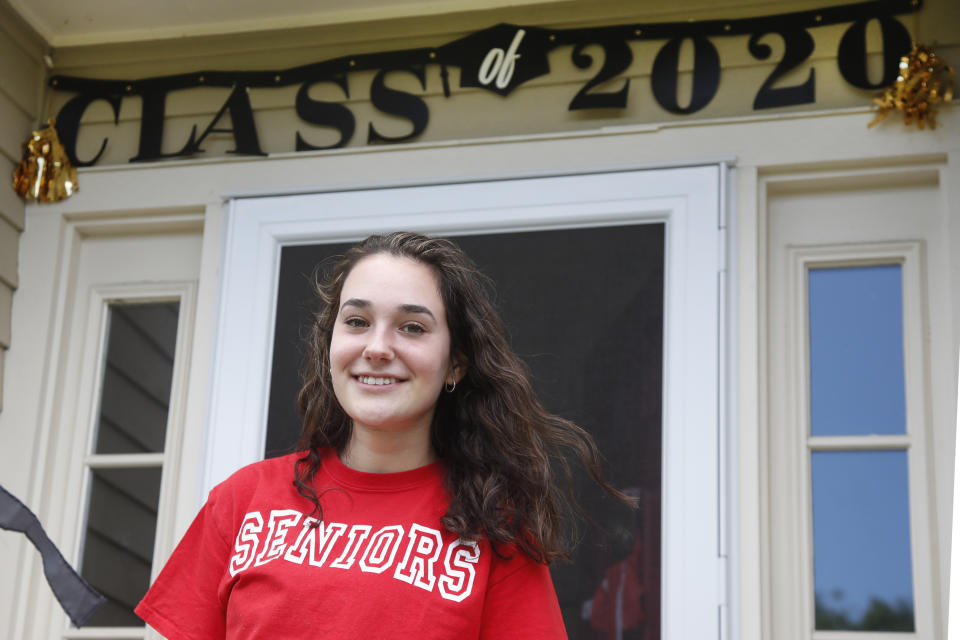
[[499, 65], [280, 521], [246, 543], [490, 66], [68, 124], [457, 581], [422, 552], [358, 533], [510, 61], [329, 114], [314, 543], [399, 103], [382, 549]]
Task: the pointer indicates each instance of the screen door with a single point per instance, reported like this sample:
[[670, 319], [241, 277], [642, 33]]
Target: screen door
[[584, 309], [611, 285]]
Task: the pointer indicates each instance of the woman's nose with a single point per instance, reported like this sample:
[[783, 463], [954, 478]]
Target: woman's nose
[[378, 347]]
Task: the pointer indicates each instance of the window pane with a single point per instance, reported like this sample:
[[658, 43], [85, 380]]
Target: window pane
[[856, 351], [137, 376], [861, 541], [118, 547]]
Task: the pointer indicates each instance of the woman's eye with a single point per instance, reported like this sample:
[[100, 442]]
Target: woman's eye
[[356, 323], [415, 329]]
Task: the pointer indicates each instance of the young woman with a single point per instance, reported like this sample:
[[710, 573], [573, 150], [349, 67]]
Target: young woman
[[423, 502]]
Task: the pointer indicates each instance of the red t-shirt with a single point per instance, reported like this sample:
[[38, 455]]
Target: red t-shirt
[[379, 565]]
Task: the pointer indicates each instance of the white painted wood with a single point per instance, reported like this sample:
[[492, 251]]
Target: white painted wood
[[747, 598], [849, 218], [858, 443], [153, 267], [686, 199], [116, 633], [123, 460], [863, 635], [953, 616]]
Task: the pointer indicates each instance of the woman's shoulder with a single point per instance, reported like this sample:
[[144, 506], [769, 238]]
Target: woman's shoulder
[[271, 470]]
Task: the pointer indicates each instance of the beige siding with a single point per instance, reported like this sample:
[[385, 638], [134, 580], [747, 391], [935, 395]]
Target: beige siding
[[21, 82]]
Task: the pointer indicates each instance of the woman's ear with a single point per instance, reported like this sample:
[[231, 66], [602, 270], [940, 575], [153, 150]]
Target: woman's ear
[[458, 366]]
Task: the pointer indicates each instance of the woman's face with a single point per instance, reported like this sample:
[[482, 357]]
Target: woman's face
[[390, 348]]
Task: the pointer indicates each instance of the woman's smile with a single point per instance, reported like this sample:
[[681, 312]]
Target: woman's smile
[[376, 380]]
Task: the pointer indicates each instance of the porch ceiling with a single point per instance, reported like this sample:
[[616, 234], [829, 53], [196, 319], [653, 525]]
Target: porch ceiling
[[76, 23], [65, 23]]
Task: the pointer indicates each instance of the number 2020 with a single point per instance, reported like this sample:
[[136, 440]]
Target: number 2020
[[798, 46]]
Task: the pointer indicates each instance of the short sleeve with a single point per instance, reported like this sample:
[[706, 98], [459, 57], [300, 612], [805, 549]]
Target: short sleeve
[[522, 604], [184, 603]]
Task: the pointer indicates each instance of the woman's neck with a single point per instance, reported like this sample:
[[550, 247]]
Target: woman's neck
[[386, 452]]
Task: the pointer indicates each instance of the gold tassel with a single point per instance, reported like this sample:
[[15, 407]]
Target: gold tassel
[[924, 81], [45, 172]]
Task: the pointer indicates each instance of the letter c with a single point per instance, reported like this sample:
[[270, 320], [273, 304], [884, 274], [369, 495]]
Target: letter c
[[68, 123]]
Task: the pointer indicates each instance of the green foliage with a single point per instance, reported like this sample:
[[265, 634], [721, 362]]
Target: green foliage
[[879, 616]]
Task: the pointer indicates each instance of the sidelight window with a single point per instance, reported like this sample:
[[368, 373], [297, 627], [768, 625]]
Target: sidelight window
[[126, 460]]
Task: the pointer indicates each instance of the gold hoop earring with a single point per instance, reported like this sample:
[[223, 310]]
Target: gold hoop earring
[[449, 386]]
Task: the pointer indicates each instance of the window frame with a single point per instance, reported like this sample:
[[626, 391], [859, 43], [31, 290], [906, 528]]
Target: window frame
[[908, 256], [101, 297]]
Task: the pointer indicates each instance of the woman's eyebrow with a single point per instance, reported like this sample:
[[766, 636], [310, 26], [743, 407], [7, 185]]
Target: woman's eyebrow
[[416, 308], [355, 302], [406, 308]]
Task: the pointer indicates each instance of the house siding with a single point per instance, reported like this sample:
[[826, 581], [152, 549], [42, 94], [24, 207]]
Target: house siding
[[21, 82]]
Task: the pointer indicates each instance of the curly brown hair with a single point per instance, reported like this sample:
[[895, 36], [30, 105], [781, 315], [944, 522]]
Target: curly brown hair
[[508, 475]]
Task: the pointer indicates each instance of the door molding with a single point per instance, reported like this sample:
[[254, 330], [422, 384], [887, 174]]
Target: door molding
[[688, 200]]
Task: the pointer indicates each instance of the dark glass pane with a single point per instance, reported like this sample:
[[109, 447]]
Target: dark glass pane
[[856, 351], [584, 308], [861, 541], [118, 545], [137, 374]]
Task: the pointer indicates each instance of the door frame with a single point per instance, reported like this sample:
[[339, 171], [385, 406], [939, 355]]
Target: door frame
[[691, 203]]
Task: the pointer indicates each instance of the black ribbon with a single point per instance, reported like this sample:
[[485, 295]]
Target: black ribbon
[[77, 598]]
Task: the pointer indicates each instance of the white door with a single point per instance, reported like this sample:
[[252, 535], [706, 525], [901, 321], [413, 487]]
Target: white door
[[684, 203]]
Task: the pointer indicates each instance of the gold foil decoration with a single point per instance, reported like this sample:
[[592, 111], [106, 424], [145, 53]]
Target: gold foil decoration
[[925, 80], [45, 172]]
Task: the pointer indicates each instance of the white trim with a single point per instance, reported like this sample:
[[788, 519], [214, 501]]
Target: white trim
[[686, 199], [106, 633], [84, 282], [726, 399], [123, 460], [858, 443], [864, 635], [723, 162], [953, 615], [101, 297], [800, 260]]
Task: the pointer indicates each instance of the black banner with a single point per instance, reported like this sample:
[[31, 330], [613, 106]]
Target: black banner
[[500, 59]]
